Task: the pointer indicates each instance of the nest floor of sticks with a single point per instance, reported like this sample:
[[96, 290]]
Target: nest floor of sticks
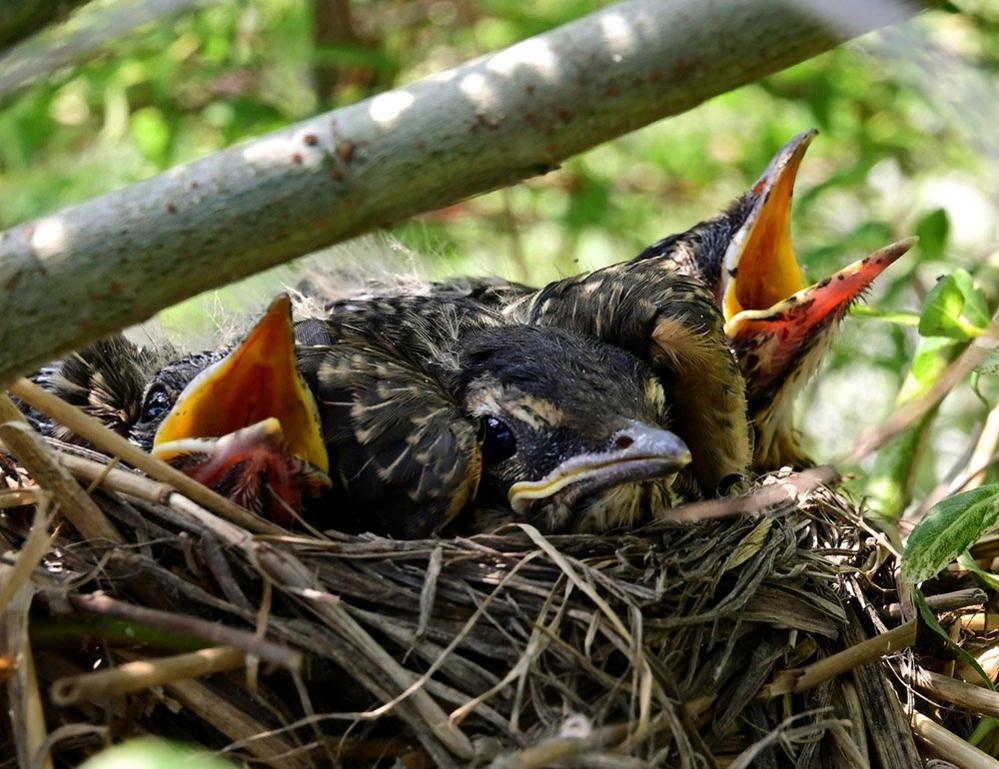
[[775, 637]]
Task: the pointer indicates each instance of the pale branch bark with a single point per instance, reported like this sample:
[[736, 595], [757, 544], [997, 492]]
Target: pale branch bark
[[68, 278], [81, 38], [22, 18]]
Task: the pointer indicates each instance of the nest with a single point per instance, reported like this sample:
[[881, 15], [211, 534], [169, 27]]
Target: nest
[[709, 640]]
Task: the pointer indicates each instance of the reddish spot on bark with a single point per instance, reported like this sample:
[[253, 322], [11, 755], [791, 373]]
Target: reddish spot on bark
[[530, 118], [335, 173], [681, 67], [115, 287], [637, 82], [345, 150], [171, 208], [613, 91], [565, 114], [310, 139], [296, 158], [86, 325], [551, 149], [655, 76]]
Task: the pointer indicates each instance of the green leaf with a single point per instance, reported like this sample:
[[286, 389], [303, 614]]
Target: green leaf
[[954, 309], [151, 133], [950, 528], [933, 230], [987, 578], [149, 753]]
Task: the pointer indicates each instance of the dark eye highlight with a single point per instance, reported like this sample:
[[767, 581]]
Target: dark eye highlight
[[498, 441], [156, 404]]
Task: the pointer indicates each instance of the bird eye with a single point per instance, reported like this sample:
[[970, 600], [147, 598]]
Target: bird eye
[[156, 404], [498, 441]]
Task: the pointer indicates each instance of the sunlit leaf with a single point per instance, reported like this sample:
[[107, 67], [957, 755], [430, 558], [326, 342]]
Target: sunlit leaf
[[950, 528], [151, 133], [153, 754], [989, 579], [954, 308]]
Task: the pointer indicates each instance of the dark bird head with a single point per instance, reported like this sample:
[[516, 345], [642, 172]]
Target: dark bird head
[[779, 327], [105, 380], [570, 430]]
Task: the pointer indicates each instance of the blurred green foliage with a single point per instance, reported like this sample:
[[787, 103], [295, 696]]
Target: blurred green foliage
[[901, 152], [150, 753]]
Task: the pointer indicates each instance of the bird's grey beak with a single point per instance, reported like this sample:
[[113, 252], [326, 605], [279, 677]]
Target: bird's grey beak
[[639, 452]]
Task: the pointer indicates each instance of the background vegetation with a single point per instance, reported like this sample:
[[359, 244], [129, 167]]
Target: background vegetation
[[908, 145]]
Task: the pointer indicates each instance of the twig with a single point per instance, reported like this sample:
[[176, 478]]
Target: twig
[[74, 503], [138, 675], [985, 450], [31, 554], [100, 436], [236, 724], [191, 626], [18, 497], [783, 490], [941, 602], [360, 648], [972, 468], [19, 19], [948, 745], [559, 749], [796, 681], [908, 414], [82, 38], [980, 621], [25, 704], [976, 699], [785, 732]]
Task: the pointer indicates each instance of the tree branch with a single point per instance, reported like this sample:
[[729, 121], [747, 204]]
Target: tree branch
[[21, 18], [68, 278], [80, 38]]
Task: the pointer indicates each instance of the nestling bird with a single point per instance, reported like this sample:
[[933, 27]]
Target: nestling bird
[[407, 411], [777, 328]]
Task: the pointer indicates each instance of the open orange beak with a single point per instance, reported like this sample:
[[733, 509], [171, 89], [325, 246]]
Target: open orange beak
[[773, 341], [257, 385], [773, 320], [759, 268]]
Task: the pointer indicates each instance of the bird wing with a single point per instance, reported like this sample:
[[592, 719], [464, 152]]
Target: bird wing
[[672, 322], [398, 443]]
